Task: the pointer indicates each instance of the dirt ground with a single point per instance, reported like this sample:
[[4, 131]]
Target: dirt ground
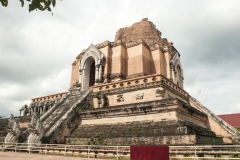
[[29, 156]]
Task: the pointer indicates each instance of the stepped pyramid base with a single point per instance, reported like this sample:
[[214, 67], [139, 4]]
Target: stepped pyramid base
[[173, 132], [162, 122]]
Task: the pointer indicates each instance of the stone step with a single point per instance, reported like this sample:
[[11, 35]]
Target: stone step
[[60, 114]]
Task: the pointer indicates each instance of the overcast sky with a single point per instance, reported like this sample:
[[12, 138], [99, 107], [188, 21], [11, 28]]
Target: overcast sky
[[37, 49]]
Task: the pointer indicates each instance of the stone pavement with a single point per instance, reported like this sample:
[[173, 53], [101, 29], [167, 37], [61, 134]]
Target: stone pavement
[[27, 156]]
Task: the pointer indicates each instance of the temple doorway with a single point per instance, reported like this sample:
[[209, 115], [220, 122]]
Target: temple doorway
[[92, 74], [88, 78], [91, 67]]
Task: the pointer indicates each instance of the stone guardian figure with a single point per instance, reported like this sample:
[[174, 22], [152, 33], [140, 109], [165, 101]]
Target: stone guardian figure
[[13, 129], [36, 130], [101, 100]]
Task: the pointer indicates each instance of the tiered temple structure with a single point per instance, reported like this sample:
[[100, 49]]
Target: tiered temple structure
[[128, 92]]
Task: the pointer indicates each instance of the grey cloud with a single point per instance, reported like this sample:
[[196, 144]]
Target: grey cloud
[[36, 47]]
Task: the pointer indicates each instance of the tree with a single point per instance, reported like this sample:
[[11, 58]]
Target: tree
[[41, 5]]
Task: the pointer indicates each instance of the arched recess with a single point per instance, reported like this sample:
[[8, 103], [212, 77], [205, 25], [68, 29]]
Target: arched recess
[[177, 72], [178, 76], [92, 56]]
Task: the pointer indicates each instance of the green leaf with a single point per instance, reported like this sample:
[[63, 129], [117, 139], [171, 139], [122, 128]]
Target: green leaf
[[4, 3], [44, 4], [49, 9], [53, 2], [34, 5], [22, 2]]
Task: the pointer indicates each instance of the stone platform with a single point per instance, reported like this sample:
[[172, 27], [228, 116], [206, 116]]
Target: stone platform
[[164, 122]]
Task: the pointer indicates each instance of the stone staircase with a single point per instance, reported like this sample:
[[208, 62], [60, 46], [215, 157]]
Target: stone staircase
[[62, 113], [57, 117]]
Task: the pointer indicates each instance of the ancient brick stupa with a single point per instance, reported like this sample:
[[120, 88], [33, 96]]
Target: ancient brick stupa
[[127, 92]]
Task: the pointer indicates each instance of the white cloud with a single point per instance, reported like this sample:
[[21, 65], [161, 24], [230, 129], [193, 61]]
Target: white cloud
[[37, 49]]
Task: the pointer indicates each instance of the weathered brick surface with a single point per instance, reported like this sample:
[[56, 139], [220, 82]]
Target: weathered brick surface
[[137, 51], [3, 132], [144, 30], [145, 133]]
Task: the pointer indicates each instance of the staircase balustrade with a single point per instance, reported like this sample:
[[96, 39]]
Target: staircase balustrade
[[51, 110], [63, 112], [214, 117]]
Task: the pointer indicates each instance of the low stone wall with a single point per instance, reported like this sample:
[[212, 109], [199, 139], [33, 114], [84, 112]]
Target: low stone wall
[[3, 132], [49, 97], [3, 122], [23, 123]]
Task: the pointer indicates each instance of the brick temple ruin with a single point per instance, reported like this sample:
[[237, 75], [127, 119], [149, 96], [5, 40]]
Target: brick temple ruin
[[126, 92]]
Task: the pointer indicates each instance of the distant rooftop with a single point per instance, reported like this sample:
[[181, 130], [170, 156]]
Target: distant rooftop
[[232, 119]]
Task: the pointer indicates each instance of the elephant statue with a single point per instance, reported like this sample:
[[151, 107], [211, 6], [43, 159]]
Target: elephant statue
[[25, 110]]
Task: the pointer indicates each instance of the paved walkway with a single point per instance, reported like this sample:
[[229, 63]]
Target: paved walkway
[[29, 156]]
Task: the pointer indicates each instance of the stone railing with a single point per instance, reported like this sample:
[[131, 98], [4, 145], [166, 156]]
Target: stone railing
[[50, 111], [67, 115], [49, 97], [116, 152], [138, 81], [214, 117]]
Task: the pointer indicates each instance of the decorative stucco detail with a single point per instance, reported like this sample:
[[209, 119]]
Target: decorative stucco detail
[[36, 130], [174, 63], [94, 52], [13, 129], [99, 58], [104, 44]]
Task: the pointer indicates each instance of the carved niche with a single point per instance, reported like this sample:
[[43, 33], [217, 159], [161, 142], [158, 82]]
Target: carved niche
[[174, 63], [160, 93], [102, 100]]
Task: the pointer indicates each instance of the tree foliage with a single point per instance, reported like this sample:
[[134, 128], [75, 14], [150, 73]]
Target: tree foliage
[[34, 4]]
